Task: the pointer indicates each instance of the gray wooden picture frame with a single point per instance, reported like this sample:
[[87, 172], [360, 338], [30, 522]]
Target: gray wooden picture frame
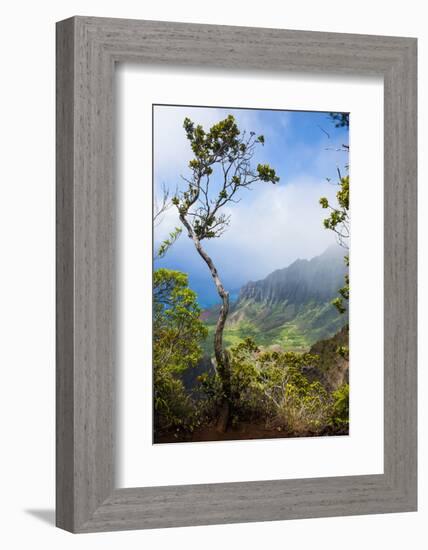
[[87, 50]]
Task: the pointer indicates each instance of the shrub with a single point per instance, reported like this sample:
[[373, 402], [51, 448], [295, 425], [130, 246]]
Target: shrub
[[340, 409], [174, 409], [304, 408], [177, 334], [271, 386]]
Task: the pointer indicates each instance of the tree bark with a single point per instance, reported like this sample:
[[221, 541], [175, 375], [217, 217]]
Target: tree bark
[[221, 355]]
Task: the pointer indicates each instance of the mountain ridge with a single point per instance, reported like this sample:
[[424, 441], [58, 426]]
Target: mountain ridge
[[301, 275], [291, 307]]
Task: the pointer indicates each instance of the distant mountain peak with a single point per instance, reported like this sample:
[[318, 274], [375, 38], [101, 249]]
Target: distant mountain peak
[[317, 279], [290, 308]]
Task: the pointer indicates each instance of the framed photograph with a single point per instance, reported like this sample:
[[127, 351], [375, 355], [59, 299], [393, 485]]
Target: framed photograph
[[236, 274], [255, 361]]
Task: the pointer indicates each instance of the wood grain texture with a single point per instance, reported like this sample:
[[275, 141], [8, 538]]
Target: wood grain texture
[[87, 49], [64, 277]]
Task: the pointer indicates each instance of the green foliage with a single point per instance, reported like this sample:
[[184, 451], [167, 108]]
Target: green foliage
[[343, 351], [333, 355], [266, 173], [226, 155], [340, 413], [338, 217], [168, 242], [339, 220], [277, 324], [224, 148], [338, 304], [340, 120], [273, 386], [305, 407], [174, 408], [177, 335]]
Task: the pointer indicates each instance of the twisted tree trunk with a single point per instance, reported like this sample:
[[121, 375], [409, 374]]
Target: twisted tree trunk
[[221, 355]]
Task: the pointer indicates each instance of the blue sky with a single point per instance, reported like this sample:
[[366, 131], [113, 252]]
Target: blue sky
[[273, 225]]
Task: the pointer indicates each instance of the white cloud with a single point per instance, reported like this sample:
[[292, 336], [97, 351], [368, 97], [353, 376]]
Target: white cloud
[[272, 225], [282, 224], [171, 148]]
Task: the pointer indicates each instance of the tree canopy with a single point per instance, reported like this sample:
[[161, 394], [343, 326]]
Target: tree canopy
[[338, 219], [177, 328], [222, 166], [177, 334]]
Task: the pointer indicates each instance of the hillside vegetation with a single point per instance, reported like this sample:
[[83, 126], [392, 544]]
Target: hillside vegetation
[[275, 362], [290, 309], [286, 345]]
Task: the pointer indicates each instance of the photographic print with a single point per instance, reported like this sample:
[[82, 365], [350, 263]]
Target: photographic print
[[251, 251]]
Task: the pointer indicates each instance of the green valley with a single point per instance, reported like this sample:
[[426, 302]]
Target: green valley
[[289, 310]]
